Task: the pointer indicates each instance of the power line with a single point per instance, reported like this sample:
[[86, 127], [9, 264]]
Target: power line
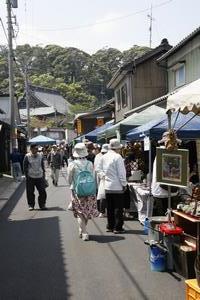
[[106, 21], [4, 30]]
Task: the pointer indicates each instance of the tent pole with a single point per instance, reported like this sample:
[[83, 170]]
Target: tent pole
[[118, 134], [169, 210], [150, 173], [150, 205]]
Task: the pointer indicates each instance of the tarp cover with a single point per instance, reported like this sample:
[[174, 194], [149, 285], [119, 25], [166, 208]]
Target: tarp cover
[[42, 140], [187, 127], [92, 136], [136, 119], [186, 99]]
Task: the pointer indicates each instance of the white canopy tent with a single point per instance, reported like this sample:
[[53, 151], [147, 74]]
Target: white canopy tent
[[186, 99]]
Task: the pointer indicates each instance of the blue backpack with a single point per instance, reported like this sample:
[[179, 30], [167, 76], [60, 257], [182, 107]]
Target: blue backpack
[[84, 183]]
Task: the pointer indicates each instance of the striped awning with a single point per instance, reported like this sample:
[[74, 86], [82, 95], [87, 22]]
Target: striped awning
[[186, 99]]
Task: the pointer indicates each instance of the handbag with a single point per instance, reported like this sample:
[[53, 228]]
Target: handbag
[[101, 190]]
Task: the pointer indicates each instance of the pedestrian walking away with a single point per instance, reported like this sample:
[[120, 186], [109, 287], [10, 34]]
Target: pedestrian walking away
[[34, 171], [15, 158], [101, 196], [55, 161], [111, 167], [83, 202]]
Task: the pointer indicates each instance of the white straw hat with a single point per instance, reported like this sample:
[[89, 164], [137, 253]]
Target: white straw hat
[[115, 144], [80, 150], [104, 148]]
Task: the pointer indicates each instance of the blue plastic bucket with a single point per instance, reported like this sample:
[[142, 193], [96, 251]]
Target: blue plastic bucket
[[157, 259]]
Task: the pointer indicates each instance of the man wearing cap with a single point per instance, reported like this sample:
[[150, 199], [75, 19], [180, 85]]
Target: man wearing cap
[[35, 177], [112, 168]]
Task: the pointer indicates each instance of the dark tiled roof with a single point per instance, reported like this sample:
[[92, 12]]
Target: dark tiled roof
[[181, 44], [128, 67], [51, 98], [109, 105]]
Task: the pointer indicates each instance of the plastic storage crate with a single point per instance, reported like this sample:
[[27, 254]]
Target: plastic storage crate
[[192, 290]]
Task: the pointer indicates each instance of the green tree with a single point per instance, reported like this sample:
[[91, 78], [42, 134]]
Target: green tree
[[4, 69], [134, 52]]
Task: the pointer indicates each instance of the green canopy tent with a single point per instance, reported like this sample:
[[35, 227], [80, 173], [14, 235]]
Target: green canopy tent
[[120, 129]]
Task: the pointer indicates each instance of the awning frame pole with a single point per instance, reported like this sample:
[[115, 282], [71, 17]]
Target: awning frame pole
[[169, 210]]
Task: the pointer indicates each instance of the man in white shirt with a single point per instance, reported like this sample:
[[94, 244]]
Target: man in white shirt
[[111, 166]]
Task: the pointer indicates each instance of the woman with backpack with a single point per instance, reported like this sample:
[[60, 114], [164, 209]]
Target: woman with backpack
[[82, 183]]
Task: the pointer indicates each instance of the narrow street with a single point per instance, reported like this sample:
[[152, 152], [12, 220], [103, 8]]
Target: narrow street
[[42, 257]]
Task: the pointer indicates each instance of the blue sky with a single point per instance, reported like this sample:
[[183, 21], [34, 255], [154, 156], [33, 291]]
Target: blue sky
[[119, 24]]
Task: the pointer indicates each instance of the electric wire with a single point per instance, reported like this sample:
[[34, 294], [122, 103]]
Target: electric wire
[[106, 21], [4, 30]]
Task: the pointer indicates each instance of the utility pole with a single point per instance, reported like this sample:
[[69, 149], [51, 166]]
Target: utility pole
[[151, 19], [13, 140], [27, 102]]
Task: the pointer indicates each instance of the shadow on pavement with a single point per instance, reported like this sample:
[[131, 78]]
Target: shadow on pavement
[[105, 238], [53, 208], [31, 259], [143, 295], [63, 185], [10, 205], [175, 276], [131, 231]]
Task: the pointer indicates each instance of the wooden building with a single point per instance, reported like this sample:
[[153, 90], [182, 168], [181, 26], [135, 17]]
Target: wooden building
[[86, 122], [183, 61], [139, 81]]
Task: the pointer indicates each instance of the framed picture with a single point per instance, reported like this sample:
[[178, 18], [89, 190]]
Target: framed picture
[[172, 167]]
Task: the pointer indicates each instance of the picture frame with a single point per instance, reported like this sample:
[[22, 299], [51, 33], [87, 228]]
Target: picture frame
[[172, 167]]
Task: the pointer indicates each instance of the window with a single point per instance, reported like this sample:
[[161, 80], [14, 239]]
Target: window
[[118, 100], [179, 75], [124, 95]]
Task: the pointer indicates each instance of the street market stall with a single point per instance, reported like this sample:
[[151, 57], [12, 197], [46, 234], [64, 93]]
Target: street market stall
[[120, 129], [92, 136], [41, 140], [187, 127]]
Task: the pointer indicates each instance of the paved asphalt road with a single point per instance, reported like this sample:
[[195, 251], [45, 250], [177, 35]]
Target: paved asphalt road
[[42, 257]]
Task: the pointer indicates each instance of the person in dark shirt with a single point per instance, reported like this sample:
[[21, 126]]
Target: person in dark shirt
[[90, 148], [194, 177], [15, 158]]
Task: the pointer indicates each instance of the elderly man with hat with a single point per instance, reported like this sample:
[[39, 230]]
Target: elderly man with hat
[[112, 168], [84, 208], [34, 171]]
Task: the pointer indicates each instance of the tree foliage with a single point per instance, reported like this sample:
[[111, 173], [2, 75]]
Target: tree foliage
[[81, 78]]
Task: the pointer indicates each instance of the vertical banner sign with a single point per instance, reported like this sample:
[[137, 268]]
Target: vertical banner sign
[[79, 126], [100, 122]]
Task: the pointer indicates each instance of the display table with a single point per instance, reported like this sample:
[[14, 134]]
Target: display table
[[189, 224], [143, 200]]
